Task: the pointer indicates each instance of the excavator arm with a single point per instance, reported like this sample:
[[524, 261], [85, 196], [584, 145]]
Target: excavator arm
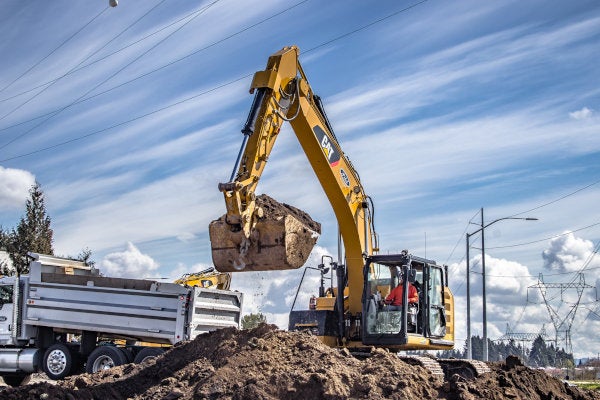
[[247, 237]]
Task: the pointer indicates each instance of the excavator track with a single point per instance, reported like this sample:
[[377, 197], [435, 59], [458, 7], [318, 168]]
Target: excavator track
[[444, 369], [431, 364], [468, 369]]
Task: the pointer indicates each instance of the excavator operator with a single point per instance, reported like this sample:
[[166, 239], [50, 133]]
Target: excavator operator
[[394, 299]]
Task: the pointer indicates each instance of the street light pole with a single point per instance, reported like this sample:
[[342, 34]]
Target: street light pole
[[483, 292], [469, 344], [484, 305]]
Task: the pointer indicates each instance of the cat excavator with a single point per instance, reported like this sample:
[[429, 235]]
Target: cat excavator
[[259, 235], [208, 278]]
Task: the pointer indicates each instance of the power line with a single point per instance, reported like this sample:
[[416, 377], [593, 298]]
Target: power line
[[112, 75], [125, 122], [556, 200], [460, 238], [53, 51], [184, 100], [75, 67], [543, 240], [588, 260], [81, 67], [536, 208], [533, 276], [167, 64], [361, 28]]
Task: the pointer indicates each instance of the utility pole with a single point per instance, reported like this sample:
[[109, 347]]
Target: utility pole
[[483, 292], [469, 344], [484, 305]]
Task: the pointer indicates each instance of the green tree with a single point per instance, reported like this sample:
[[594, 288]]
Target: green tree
[[250, 321], [33, 233], [540, 355], [86, 256]]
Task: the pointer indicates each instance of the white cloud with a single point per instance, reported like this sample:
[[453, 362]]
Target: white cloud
[[14, 187], [186, 237], [165, 208], [584, 113], [567, 253], [130, 263]]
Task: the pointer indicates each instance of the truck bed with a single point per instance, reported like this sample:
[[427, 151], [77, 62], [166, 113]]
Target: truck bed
[[124, 308]]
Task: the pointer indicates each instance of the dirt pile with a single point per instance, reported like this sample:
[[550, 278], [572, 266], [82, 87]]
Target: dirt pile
[[282, 239], [266, 363]]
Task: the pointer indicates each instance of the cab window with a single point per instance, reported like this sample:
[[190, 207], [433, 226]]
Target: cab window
[[6, 294], [437, 316]]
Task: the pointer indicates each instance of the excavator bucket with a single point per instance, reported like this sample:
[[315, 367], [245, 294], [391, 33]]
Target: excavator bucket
[[282, 239]]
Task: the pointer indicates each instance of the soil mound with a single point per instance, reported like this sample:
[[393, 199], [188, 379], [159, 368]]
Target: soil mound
[[266, 363]]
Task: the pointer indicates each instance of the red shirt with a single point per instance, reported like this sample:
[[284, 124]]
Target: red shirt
[[395, 296]]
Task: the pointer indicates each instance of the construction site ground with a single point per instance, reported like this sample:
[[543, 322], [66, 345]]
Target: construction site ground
[[267, 363]]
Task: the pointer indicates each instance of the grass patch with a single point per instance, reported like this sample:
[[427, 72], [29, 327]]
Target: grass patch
[[588, 385]]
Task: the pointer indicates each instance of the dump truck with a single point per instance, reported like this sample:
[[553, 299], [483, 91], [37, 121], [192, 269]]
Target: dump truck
[[64, 318]]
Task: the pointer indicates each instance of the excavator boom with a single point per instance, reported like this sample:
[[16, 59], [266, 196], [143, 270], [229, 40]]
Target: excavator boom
[[259, 233]]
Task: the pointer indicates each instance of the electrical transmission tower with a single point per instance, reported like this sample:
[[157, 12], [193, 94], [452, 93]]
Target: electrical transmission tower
[[550, 292], [511, 336]]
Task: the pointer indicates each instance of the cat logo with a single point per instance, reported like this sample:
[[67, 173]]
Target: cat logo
[[333, 157], [326, 146]]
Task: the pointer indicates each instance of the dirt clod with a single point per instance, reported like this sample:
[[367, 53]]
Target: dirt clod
[[266, 363]]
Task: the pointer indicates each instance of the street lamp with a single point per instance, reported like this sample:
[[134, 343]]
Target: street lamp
[[481, 229]]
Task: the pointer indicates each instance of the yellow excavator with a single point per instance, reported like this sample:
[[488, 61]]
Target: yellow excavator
[[208, 278], [257, 234]]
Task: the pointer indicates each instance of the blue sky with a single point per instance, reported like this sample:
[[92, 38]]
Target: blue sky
[[128, 117]]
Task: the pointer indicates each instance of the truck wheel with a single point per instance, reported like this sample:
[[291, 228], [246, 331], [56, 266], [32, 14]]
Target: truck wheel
[[16, 380], [147, 353], [104, 357], [57, 361]]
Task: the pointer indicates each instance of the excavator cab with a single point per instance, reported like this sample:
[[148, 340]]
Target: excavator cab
[[426, 324], [408, 326]]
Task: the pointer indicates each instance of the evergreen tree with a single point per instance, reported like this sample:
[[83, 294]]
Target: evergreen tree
[[33, 233], [477, 347], [540, 356], [454, 353], [250, 321], [86, 256]]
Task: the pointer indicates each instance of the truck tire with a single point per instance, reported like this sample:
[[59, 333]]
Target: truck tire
[[57, 361], [147, 353], [103, 358], [16, 380]]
